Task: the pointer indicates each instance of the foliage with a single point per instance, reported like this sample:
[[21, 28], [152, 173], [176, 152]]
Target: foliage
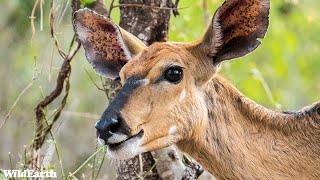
[[85, 3], [287, 59]]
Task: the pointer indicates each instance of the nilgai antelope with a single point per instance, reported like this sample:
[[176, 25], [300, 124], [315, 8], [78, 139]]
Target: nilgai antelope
[[171, 94]]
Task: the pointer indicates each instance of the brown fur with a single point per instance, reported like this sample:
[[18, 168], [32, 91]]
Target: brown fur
[[204, 115], [231, 136], [243, 140]]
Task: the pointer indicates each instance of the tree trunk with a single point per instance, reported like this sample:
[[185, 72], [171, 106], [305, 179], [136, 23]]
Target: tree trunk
[[149, 21]]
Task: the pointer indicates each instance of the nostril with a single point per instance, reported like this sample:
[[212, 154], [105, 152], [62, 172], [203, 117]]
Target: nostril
[[115, 126], [107, 126]]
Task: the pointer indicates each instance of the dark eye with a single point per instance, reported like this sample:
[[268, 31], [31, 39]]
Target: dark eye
[[173, 74]]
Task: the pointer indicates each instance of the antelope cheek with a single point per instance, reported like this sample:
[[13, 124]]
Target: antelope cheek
[[160, 137]]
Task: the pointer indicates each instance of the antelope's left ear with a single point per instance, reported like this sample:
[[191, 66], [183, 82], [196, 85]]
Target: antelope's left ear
[[235, 29], [107, 47]]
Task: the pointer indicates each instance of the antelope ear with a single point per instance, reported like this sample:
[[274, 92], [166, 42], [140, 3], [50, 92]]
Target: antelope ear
[[107, 47], [235, 29]]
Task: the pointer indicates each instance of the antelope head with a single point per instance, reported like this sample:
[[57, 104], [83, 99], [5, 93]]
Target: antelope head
[[162, 101]]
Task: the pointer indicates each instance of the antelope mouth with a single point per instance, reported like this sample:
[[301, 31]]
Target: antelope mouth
[[115, 146]]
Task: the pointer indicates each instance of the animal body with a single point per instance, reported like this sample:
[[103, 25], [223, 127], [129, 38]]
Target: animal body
[[172, 94]]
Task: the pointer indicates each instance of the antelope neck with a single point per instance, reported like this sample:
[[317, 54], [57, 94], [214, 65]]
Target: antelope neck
[[244, 140]]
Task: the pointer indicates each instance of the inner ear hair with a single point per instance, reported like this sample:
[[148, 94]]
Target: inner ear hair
[[107, 47], [236, 28]]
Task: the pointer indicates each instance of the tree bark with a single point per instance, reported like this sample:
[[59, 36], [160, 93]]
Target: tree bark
[[146, 20], [149, 21]]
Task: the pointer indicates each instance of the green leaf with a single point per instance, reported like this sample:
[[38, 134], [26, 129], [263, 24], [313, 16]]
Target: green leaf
[[86, 3]]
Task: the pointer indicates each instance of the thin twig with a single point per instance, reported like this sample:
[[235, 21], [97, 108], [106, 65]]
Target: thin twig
[[32, 17], [18, 99], [38, 167], [58, 155], [46, 55], [63, 13], [110, 8], [145, 6], [152, 167], [205, 12], [50, 63], [85, 162], [10, 160], [101, 163], [175, 11], [25, 157], [91, 78], [74, 38], [75, 4], [94, 163], [266, 87], [58, 126], [41, 15], [176, 3], [140, 164], [56, 42]]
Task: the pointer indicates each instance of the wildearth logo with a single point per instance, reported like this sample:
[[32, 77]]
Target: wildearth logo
[[29, 174]]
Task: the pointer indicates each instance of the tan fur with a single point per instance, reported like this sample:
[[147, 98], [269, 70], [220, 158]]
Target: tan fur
[[243, 140], [231, 136], [204, 115]]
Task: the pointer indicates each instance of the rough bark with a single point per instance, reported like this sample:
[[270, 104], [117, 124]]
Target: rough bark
[[139, 167], [149, 21], [146, 19]]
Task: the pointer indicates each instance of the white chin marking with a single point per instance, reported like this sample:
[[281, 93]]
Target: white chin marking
[[115, 138], [182, 95], [127, 150], [101, 141], [172, 130]]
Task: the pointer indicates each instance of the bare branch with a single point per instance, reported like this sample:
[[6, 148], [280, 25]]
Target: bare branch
[[64, 74], [99, 7], [91, 78], [62, 54], [35, 76], [32, 17], [146, 6], [175, 11], [205, 12], [75, 4], [110, 8]]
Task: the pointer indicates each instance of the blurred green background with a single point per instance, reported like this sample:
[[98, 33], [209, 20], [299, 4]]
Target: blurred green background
[[283, 73]]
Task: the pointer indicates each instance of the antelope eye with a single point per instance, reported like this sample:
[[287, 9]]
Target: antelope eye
[[173, 74]]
